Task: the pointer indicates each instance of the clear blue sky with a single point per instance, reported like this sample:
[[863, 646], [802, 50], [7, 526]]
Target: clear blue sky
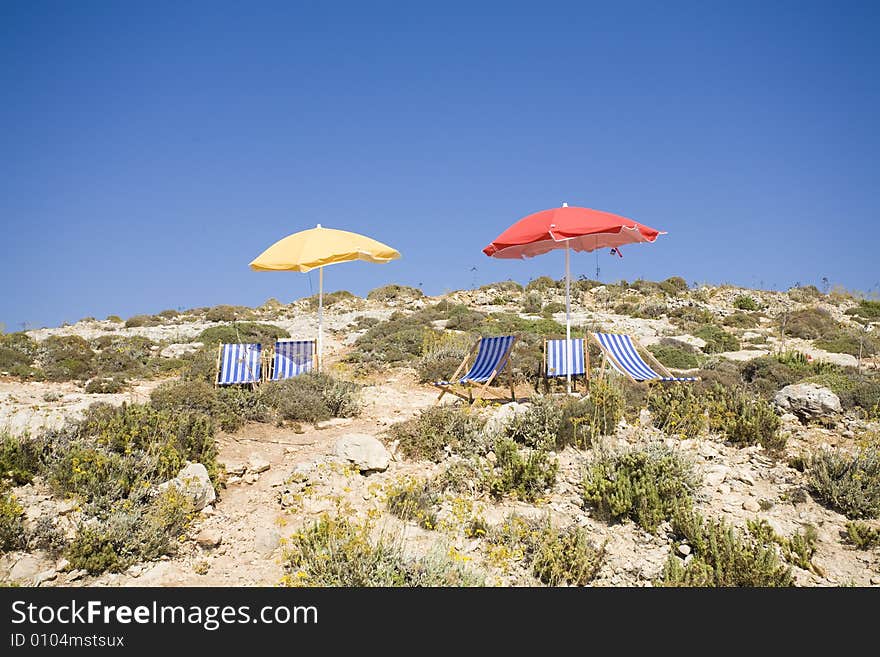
[[150, 150]]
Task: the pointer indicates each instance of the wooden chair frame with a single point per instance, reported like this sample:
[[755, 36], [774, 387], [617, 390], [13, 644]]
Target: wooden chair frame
[[608, 356], [468, 388]]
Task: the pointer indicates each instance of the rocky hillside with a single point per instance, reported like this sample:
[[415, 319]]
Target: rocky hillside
[[122, 464]]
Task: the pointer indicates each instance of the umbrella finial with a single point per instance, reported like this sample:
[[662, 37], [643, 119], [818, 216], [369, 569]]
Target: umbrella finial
[[564, 204]]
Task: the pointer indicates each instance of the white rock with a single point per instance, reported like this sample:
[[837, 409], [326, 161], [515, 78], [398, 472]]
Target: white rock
[[74, 575], [27, 568], [684, 549], [45, 576], [209, 538], [257, 465], [266, 540], [193, 481], [503, 415], [62, 565], [808, 401], [715, 475], [751, 505], [251, 478], [364, 451], [178, 349], [334, 422], [237, 469]]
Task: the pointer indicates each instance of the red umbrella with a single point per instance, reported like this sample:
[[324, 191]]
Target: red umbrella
[[569, 228]]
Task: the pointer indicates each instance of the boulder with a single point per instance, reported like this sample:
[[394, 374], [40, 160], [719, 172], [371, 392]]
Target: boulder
[[266, 540], [363, 451], [209, 538], [257, 465], [808, 401], [503, 415], [193, 481], [27, 568]]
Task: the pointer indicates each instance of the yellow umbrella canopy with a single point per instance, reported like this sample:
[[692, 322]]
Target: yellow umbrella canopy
[[317, 248]]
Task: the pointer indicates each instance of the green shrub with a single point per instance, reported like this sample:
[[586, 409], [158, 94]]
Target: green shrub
[[552, 307], [116, 319], [677, 409], [745, 302], [226, 313], [532, 302], [675, 354], [414, 500], [241, 332], [553, 423], [171, 438], [798, 549], [808, 323], [741, 320], [862, 536], [339, 552], [804, 294], [127, 355], [848, 483], [17, 352], [504, 286], [866, 310], [391, 292], [640, 310], [231, 407], [138, 321], [674, 285], [312, 397], [543, 283], [854, 388], [440, 363], [717, 339], [130, 533], [524, 474], [66, 357], [105, 385], [744, 419], [12, 535], [847, 342], [425, 435], [555, 557], [643, 484], [768, 374], [689, 317], [20, 458], [330, 298], [723, 556]]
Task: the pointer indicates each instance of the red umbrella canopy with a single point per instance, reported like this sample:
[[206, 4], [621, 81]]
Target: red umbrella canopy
[[582, 228]]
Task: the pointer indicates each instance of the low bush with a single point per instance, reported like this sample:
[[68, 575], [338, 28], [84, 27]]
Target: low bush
[[551, 308], [524, 474], [745, 302], [20, 458], [863, 536], [674, 286], [642, 484], [392, 292], [131, 533], [427, 434], [808, 323], [12, 536], [330, 298], [138, 321], [66, 357], [543, 283], [848, 342], [846, 482], [227, 313], [414, 500], [856, 390], [105, 385], [675, 354], [339, 552], [504, 286], [717, 339], [744, 418], [312, 397], [241, 332], [17, 353], [804, 294], [532, 302], [866, 310], [723, 556], [678, 410], [440, 364], [741, 320], [555, 557], [690, 317]]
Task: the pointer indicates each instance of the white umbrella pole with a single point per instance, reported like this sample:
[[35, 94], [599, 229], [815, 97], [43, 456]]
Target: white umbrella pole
[[320, 318], [568, 354]]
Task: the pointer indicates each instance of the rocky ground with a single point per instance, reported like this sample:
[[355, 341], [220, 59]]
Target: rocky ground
[[281, 479]]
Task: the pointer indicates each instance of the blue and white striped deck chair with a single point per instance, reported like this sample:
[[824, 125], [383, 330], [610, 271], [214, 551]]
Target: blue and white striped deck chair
[[292, 358], [620, 351], [558, 364], [492, 355], [239, 363]]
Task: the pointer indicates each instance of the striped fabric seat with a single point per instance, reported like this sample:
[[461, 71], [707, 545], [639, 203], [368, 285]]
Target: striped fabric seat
[[489, 355], [292, 358], [625, 355], [239, 363], [557, 360]]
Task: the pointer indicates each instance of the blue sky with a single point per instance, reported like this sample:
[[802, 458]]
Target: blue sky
[[151, 150]]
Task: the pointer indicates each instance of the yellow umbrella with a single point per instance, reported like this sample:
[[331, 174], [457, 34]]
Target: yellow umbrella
[[319, 247]]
